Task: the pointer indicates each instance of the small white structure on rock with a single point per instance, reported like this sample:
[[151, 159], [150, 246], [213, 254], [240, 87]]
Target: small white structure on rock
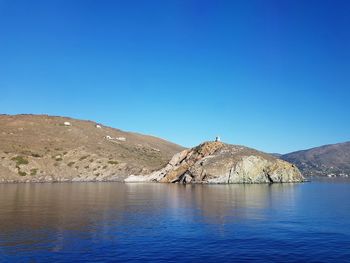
[[217, 139], [122, 139], [67, 123], [98, 126]]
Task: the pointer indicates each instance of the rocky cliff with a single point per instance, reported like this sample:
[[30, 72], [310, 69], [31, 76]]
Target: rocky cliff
[[216, 162]]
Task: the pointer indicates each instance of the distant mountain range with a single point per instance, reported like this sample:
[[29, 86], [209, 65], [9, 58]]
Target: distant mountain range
[[329, 160]]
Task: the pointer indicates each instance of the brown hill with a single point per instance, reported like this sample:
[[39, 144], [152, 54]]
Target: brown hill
[[45, 148], [329, 160]]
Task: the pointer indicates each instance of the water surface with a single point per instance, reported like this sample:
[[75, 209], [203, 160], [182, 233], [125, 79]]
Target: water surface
[[99, 222]]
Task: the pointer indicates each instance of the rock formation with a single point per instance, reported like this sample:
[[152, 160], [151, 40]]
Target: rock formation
[[216, 162]]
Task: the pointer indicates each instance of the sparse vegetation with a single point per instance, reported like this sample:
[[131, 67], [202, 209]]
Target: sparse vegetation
[[33, 171], [29, 153], [113, 162], [86, 167], [59, 159], [91, 160], [20, 160], [70, 164], [104, 167], [21, 173], [83, 157]]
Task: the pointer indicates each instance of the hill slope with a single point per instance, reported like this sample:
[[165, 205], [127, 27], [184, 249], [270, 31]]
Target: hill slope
[[45, 148], [329, 160]]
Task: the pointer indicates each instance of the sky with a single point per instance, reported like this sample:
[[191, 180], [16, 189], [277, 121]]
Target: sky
[[272, 75]]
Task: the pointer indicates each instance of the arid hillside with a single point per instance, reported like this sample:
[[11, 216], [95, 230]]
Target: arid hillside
[[43, 148], [329, 160]]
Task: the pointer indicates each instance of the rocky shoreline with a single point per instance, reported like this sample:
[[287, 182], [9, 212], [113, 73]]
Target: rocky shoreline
[[216, 162]]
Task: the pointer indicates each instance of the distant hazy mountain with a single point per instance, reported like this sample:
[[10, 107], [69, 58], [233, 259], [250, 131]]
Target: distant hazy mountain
[[328, 160], [277, 155]]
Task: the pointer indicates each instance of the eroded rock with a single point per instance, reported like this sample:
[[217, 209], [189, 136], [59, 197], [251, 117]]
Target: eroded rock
[[216, 162]]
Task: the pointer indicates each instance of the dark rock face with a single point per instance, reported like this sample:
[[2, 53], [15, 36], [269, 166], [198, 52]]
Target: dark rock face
[[329, 160], [216, 162]]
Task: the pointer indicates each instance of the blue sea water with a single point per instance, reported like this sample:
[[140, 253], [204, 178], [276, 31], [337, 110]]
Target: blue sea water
[[115, 222]]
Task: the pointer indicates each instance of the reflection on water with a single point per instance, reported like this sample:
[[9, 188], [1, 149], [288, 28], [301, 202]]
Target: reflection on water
[[111, 221], [75, 206]]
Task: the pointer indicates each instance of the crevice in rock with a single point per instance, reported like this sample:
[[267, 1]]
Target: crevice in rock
[[230, 174], [268, 176], [183, 178]]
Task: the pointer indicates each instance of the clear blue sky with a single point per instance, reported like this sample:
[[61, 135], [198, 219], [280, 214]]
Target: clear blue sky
[[274, 75]]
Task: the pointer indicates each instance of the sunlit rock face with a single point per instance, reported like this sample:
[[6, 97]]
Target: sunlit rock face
[[216, 162]]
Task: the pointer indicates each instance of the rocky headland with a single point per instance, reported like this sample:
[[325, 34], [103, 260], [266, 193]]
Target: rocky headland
[[216, 162]]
